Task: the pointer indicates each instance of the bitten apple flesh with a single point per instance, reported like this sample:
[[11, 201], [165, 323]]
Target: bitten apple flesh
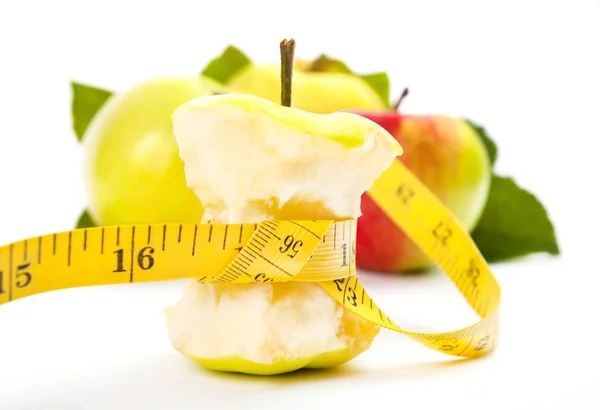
[[248, 160], [448, 156]]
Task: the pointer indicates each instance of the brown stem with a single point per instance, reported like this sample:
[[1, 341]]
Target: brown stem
[[400, 99], [286, 48]]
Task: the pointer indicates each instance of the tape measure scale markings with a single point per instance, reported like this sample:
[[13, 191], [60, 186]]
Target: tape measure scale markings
[[272, 251], [423, 217], [234, 253]]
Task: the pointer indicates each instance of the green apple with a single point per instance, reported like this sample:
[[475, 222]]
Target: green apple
[[132, 170], [318, 92]]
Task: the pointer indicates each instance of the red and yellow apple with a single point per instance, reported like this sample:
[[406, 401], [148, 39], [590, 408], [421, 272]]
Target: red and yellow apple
[[448, 156]]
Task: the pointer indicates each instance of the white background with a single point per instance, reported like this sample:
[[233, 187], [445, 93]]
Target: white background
[[528, 70]]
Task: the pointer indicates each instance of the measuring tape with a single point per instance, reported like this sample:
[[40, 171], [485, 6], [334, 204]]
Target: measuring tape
[[272, 251]]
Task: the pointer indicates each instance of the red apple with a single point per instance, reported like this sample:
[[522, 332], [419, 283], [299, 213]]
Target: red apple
[[448, 156]]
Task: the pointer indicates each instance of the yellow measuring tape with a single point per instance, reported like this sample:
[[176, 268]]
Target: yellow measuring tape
[[272, 251]]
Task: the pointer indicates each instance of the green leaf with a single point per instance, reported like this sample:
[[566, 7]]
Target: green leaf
[[86, 102], [223, 67], [490, 146], [513, 224], [325, 63], [85, 221], [379, 82]]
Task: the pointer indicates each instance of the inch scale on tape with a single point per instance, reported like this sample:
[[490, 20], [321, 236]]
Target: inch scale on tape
[[272, 251]]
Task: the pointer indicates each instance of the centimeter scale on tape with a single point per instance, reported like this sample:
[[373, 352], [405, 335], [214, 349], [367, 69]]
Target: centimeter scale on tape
[[271, 251]]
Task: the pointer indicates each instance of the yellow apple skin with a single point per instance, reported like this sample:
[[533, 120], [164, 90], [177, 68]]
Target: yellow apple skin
[[313, 91], [132, 170], [233, 364]]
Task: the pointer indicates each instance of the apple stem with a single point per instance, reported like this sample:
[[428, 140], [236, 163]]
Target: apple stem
[[400, 99], [286, 48]]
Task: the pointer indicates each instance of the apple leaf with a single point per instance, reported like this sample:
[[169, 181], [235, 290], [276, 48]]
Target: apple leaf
[[223, 67], [513, 224], [85, 221], [327, 64], [379, 82], [86, 102], [490, 146]]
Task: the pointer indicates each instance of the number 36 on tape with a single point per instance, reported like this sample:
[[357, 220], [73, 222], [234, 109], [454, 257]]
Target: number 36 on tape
[[272, 251]]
